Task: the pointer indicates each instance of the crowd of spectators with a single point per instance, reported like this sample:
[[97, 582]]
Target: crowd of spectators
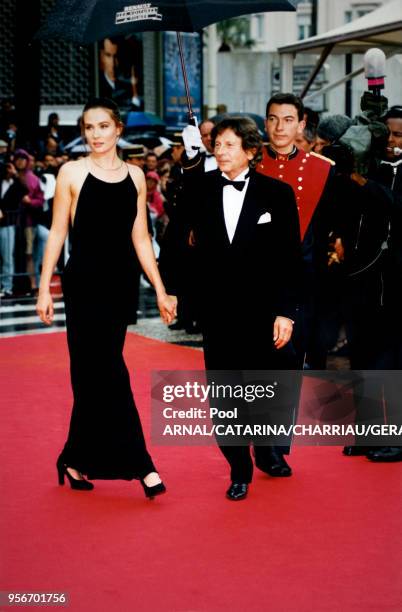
[[28, 175]]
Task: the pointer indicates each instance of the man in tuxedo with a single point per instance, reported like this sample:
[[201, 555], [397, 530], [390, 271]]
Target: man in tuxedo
[[247, 238]]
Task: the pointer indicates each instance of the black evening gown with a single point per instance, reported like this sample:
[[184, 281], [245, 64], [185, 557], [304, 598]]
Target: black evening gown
[[105, 439]]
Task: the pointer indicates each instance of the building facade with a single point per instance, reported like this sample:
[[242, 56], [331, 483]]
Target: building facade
[[248, 77]]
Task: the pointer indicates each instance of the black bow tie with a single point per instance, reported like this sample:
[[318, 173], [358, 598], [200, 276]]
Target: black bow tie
[[239, 185]]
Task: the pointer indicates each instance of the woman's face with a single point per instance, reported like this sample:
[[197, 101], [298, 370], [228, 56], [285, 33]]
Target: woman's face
[[101, 130]]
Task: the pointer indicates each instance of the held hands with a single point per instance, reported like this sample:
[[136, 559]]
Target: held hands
[[283, 328], [44, 307], [167, 305], [192, 140]]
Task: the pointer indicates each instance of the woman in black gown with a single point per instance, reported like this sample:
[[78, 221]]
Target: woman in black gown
[[104, 200]]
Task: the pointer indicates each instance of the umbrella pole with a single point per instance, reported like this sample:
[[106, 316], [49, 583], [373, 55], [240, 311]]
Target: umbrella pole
[[191, 115]]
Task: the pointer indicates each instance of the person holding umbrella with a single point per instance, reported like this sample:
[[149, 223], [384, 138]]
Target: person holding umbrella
[[105, 201]]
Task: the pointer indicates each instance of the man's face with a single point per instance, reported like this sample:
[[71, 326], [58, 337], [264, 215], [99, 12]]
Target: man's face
[[108, 58], [394, 138], [177, 152], [320, 143], [205, 131], [283, 126], [136, 161], [152, 162], [302, 143], [231, 157], [50, 160]]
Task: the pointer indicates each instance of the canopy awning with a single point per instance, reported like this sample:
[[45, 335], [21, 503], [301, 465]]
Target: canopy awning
[[380, 28]]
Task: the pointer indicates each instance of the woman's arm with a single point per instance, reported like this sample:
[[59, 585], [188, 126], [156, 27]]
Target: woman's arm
[[57, 235], [143, 246]]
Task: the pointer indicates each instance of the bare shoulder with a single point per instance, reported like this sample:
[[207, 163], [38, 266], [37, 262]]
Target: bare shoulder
[[73, 173], [137, 175], [73, 169]]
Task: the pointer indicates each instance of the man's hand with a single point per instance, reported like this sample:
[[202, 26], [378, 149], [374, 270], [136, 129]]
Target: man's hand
[[283, 328], [26, 199], [167, 305], [192, 140]]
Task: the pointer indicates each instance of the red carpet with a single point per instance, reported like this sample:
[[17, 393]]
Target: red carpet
[[329, 539]]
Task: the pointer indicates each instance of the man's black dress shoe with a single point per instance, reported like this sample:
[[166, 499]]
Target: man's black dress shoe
[[387, 454], [275, 464], [176, 326], [237, 491], [355, 451]]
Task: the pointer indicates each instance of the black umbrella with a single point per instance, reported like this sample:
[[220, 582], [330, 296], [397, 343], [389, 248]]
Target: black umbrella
[[86, 21]]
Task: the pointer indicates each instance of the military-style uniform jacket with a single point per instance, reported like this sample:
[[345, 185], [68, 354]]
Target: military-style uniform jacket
[[310, 176]]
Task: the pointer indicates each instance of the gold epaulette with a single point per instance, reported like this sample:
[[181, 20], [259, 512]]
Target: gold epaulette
[[331, 161], [197, 163]]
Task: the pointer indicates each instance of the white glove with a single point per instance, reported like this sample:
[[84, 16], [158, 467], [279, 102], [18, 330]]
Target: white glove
[[192, 140]]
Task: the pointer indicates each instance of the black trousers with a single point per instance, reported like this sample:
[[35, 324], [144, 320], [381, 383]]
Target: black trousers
[[224, 351]]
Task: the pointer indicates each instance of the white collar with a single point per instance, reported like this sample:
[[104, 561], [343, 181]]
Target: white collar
[[393, 164], [239, 177]]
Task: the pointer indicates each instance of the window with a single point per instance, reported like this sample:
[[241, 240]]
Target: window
[[359, 10], [260, 26]]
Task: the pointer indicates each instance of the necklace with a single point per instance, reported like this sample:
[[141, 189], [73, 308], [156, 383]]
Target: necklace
[[107, 169]]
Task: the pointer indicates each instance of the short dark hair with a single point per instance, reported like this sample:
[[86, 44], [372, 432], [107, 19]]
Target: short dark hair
[[208, 120], [151, 153], [113, 39], [286, 98], [395, 112], [312, 117], [246, 129], [105, 103], [51, 117], [310, 133]]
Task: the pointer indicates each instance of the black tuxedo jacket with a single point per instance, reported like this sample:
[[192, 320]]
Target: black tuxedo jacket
[[245, 284]]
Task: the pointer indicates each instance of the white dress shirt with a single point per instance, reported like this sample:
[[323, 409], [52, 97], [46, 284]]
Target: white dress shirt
[[5, 186], [210, 163], [233, 203]]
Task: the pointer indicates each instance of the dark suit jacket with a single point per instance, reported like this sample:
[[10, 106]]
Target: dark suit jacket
[[245, 284]]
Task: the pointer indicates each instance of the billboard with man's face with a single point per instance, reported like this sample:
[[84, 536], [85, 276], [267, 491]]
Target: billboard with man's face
[[121, 71]]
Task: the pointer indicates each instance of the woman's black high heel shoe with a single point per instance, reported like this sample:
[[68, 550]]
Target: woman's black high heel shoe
[[78, 485], [151, 492]]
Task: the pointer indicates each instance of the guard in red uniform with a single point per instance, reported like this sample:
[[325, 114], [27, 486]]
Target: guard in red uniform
[[310, 176]]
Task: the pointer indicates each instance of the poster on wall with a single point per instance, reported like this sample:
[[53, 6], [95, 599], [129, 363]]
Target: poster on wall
[[175, 101], [121, 71]]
